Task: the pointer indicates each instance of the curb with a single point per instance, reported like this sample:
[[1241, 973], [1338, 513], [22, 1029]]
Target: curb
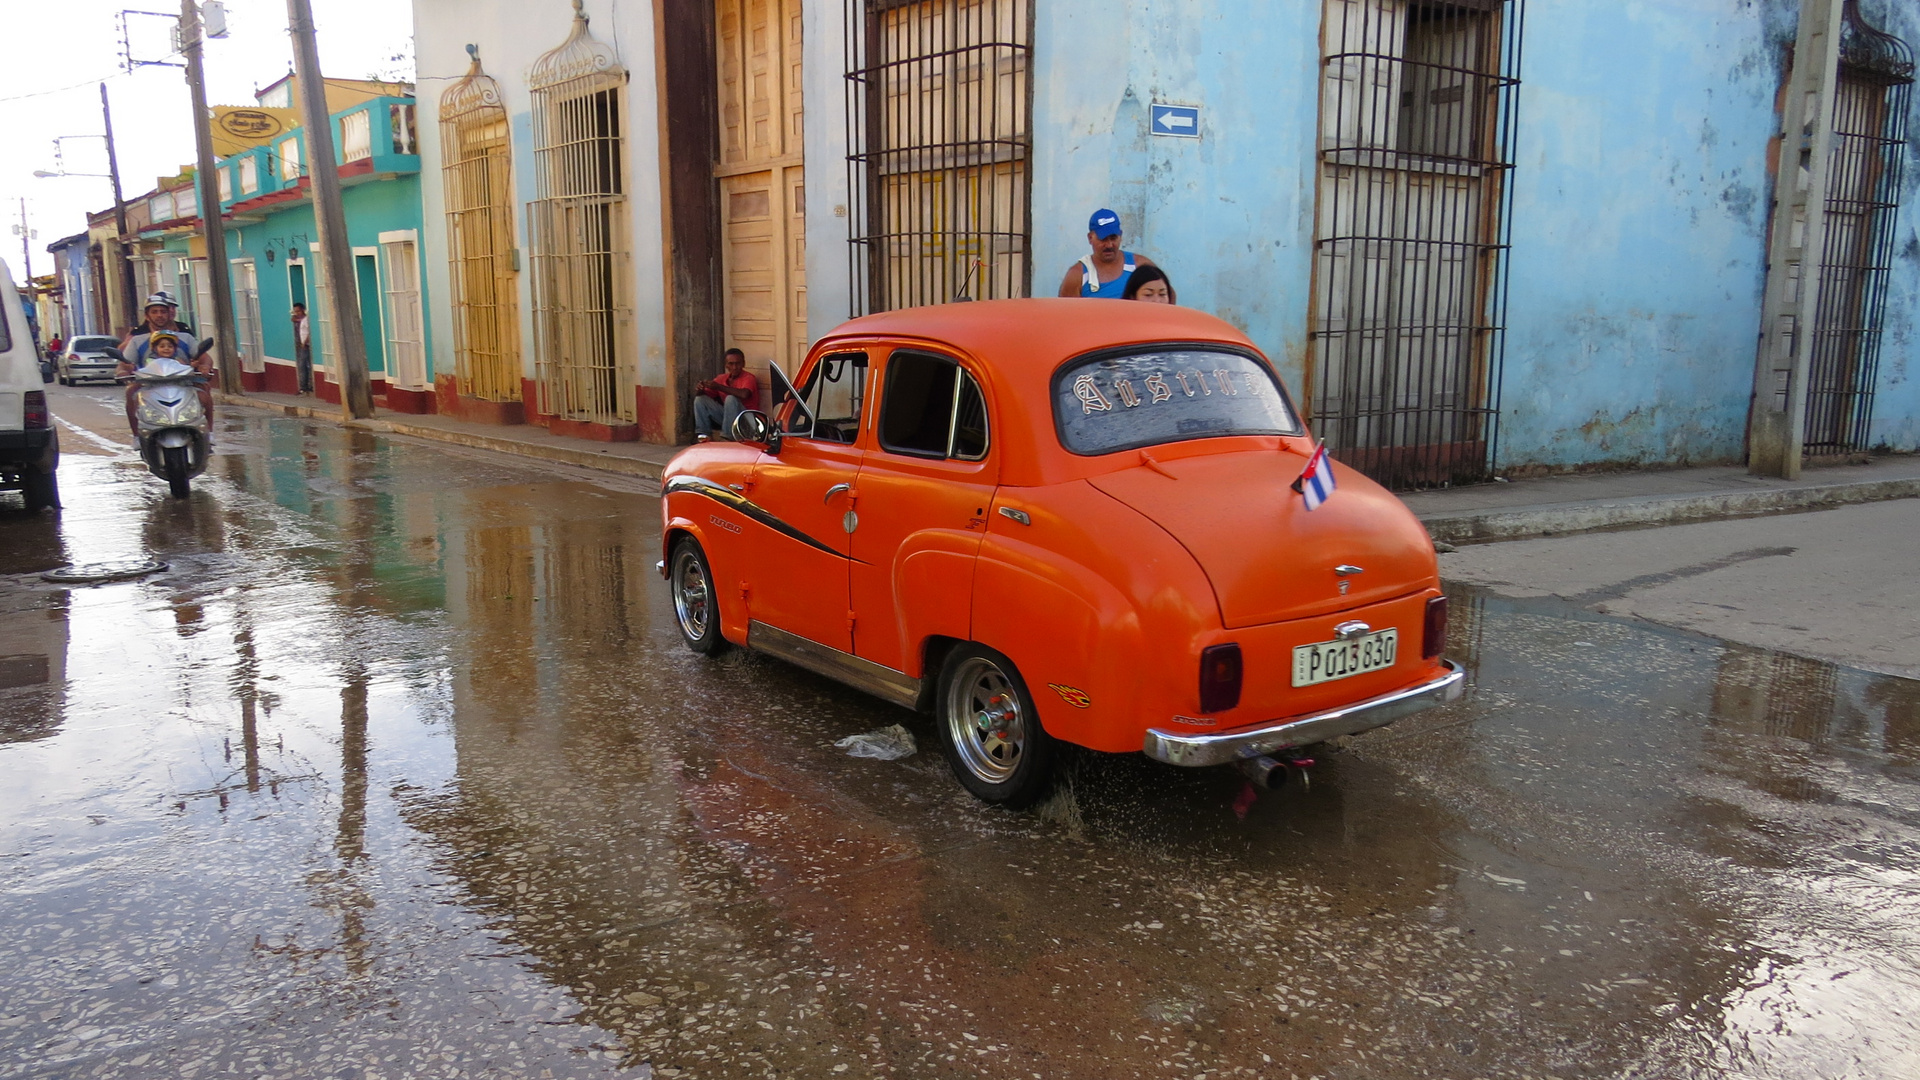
[[565, 455], [1482, 526]]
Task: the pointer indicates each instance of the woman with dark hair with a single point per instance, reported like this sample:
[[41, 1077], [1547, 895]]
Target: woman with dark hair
[[1150, 283]]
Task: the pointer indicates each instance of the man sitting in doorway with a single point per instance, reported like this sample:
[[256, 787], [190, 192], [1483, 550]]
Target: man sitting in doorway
[[721, 399]]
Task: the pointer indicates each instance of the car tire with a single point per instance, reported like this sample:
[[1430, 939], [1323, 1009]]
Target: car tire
[[990, 730], [173, 460], [696, 602], [41, 487]]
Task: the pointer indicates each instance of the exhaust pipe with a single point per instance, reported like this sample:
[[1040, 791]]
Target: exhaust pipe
[[1271, 774]]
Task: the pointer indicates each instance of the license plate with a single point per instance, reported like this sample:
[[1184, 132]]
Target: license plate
[[1325, 661]]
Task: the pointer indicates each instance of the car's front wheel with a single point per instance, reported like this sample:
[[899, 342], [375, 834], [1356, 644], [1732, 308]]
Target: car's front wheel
[[696, 605], [990, 730]]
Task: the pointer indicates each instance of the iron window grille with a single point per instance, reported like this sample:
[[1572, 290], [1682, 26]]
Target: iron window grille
[[579, 232], [1870, 104], [939, 115], [1410, 274], [476, 172]]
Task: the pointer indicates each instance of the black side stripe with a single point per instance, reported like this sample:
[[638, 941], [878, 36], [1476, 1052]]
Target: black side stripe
[[726, 496]]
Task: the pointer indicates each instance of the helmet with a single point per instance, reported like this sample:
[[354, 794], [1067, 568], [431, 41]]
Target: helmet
[[162, 298], [159, 335]]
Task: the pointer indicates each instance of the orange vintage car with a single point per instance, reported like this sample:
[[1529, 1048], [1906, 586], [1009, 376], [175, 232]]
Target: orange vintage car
[[1053, 521]]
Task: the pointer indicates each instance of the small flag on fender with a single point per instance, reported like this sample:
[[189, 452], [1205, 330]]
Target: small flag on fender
[[1316, 483]]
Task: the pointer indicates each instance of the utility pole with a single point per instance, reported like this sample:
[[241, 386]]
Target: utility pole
[[1777, 425], [330, 217], [192, 44], [26, 235], [128, 298]]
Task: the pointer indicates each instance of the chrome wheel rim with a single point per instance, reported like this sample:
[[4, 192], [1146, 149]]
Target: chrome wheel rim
[[985, 720], [692, 596]]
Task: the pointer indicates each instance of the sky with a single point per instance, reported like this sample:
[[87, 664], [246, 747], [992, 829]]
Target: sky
[[59, 51]]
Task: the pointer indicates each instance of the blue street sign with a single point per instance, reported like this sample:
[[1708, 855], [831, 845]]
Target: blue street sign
[[1175, 121]]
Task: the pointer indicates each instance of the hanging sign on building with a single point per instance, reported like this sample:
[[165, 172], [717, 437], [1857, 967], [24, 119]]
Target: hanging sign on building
[[237, 129], [1174, 121]]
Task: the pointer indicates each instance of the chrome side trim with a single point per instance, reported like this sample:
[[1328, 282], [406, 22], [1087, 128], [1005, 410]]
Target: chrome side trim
[[1187, 748], [720, 493], [864, 675]]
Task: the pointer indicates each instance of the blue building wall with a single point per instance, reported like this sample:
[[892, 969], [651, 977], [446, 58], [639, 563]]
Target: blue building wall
[[1639, 221], [1641, 202], [276, 223], [1229, 216], [1896, 412]]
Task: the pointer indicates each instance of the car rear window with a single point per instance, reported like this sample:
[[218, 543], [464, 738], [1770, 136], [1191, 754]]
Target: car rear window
[[1120, 401], [92, 344]]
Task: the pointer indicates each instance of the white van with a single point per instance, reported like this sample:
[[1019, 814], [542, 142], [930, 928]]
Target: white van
[[29, 447]]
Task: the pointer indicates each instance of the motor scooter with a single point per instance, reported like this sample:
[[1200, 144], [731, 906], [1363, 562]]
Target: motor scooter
[[175, 431]]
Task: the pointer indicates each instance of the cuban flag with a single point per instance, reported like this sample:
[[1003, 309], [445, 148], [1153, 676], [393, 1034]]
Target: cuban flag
[[1316, 482]]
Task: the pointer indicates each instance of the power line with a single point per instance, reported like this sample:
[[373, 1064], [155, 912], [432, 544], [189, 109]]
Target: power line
[[63, 89]]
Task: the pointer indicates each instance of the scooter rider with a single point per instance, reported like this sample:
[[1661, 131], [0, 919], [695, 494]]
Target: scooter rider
[[160, 319], [162, 313], [175, 344]]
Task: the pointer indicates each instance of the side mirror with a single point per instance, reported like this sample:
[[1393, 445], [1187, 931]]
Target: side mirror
[[114, 352], [752, 426], [200, 350]]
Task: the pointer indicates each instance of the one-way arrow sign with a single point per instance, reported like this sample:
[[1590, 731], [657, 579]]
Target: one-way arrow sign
[[1175, 121]]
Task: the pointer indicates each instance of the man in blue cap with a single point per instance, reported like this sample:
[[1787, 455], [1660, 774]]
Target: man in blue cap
[[1104, 272]]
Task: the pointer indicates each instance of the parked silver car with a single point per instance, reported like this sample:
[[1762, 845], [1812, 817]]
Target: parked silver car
[[85, 360]]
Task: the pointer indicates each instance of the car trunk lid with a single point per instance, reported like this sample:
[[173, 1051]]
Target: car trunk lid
[[1267, 556]]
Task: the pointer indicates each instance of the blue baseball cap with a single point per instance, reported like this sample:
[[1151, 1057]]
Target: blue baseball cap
[[1104, 223]]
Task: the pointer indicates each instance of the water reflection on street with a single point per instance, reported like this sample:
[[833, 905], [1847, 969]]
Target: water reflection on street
[[401, 769]]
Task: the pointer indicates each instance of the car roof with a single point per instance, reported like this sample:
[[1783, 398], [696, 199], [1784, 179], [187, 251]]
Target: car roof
[[1018, 336], [1019, 344]]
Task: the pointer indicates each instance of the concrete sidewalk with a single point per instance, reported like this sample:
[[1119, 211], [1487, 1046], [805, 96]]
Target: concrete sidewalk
[[525, 440], [1462, 515], [1583, 503]]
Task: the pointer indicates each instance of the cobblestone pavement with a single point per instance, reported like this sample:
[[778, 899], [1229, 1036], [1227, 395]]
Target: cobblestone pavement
[[400, 770]]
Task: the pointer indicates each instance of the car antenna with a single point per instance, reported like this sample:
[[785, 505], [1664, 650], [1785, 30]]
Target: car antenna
[[961, 295]]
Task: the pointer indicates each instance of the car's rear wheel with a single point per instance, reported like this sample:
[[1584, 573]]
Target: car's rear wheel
[[696, 605], [42, 488], [990, 730]]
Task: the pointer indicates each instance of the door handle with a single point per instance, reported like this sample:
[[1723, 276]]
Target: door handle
[[835, 490]]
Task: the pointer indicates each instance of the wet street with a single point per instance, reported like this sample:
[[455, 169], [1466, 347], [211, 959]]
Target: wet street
[[400, 769]]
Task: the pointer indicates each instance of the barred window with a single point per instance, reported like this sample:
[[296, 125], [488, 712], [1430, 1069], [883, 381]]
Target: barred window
[[476, 172], [1416, 113], [1871, 100], [939, 123], [580, 232]]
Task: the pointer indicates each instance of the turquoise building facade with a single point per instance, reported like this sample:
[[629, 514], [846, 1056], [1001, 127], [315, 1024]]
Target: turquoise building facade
[[272, 250]]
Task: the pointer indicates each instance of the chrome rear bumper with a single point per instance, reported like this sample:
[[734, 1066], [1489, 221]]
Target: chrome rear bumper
[[1188, 748]]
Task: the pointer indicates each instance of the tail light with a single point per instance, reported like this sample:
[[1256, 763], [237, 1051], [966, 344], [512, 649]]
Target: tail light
[[1219, 678], [1434, 637], [35, 414]]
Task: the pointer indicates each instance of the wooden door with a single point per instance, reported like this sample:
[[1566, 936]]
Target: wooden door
[[762, 183]]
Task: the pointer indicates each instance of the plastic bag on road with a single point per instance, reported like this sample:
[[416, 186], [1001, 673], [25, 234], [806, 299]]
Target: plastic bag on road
[[888, 744]]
